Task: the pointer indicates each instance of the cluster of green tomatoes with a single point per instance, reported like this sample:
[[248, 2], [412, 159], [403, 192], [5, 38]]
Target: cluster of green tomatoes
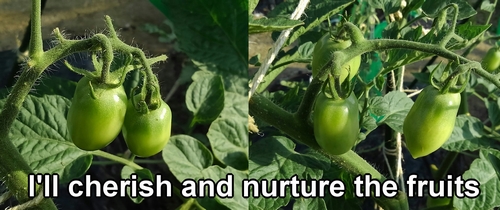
[[99, 112], [428, 125]]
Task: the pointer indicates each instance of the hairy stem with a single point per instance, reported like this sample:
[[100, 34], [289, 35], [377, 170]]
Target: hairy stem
[[36, 44], [14, 170]]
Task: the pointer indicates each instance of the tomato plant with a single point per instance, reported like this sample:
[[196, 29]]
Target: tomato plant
[[62, 127], [96, 114], [430, 121], [336, 123], [389, 51]]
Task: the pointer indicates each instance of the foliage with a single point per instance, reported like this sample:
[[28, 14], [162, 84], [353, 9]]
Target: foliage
[[215, 97], [390, 35]]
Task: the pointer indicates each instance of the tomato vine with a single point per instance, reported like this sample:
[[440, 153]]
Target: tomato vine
[[296, 124]]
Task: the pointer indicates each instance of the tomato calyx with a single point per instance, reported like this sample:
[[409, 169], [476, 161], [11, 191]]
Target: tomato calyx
[[149, 99], [451, 81], [333, 88], [110, 80]]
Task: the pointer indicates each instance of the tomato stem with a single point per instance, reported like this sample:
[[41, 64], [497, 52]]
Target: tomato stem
[[446, 165], [115, 158], [14, 169], [36, 45], [141, 161], [451, 33], [355, 34]]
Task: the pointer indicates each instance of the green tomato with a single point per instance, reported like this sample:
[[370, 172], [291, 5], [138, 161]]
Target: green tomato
[[491, 60], [93, 123], [336, 123], [430, 121], [323, 53], [146, 134]]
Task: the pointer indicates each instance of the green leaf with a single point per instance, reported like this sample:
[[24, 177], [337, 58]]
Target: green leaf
[[432, 8], [205, 96], [274, 158], [411, 6], [485, 170], [487, 86], [290, 99], [380, 82], [348, 201], [55, 86], [317, 11], [187, 73], [216, 173], [422, 77], [186, 157], [255, 60], [235, 83], [487, 6], [302, 54], [212, 32], [399, 106], [494, 112], [251, 5], [391, 31], [232, 82], [471, 33], [401, 57], [235, 105], [144, 173], [468, 134], [369, 123], [41, 136], [379, 106], [263, 25], [229, 141], [133, 80], [389, 6], [210, 203], [309, 203], [52, 85], [189, 158]]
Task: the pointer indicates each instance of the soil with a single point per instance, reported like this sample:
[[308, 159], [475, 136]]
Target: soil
[[81, 19]]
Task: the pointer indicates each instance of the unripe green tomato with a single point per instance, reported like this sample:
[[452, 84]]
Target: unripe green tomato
[[491, 60], [336, 123], [146, 134], [323, 53], [430, 121], [94, 123]]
